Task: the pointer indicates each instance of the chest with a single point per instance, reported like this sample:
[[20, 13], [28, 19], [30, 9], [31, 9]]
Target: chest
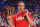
[[19, 18]]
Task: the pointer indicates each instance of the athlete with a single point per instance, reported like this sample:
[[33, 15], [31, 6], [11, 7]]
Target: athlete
[[22, 18]]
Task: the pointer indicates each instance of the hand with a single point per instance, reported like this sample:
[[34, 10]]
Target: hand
[[26, 12]]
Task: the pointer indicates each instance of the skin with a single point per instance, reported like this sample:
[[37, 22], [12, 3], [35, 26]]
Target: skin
[[21, 8]]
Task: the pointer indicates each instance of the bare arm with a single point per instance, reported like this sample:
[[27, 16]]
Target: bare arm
[[28, 18], [29, 21]]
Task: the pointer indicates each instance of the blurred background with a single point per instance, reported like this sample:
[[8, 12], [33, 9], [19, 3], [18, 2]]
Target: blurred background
[[8, 8]]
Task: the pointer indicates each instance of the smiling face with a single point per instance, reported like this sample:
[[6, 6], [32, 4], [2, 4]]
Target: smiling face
[[21, 7]]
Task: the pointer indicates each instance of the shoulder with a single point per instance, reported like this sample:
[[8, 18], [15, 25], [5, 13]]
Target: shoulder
[[15, 15]]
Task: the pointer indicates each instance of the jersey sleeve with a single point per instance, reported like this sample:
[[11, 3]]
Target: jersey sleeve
[[30, 16], [14, 20]]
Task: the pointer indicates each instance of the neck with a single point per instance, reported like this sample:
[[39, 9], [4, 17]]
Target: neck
[[20, 12]]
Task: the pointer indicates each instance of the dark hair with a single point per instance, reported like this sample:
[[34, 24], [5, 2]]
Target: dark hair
[[21, 2]]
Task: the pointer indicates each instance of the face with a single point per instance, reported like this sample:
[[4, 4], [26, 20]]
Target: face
[[21, 7]]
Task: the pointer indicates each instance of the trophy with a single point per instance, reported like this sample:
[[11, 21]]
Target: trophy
[[10, 12]]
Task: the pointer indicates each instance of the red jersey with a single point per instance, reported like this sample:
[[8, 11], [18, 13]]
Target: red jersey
[[18, 20]]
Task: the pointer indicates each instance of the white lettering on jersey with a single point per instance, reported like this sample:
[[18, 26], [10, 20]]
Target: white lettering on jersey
[[19, 18]]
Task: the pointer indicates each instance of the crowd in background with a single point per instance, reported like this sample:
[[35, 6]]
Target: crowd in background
[[5, 8]]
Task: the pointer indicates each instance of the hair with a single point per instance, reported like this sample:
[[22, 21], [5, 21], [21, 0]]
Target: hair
[[21, 2]]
